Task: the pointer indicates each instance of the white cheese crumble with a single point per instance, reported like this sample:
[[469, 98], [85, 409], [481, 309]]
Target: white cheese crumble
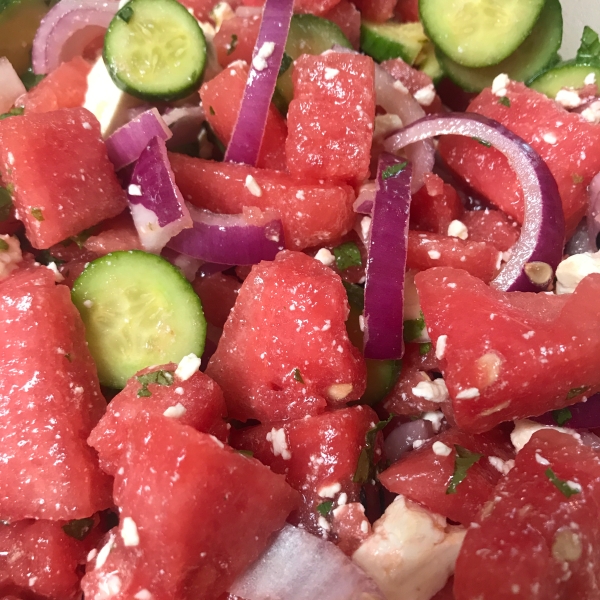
[[398, 85], [468, 394], [57, 274], [365, 228], [541, 460], [187, 367], [571, 271], [129, 532], [279, 444], [88, 303], [426, 95], [175, 412], [104, 552], [440, 346], [411, 553], [434, 254], [590, 79], [143, 595], [134, 190], [330, 73], [458, 229], [502, 466], [435, 418], [339, 391], [329, 491], [525, 428], [592, 113], [325, 257], [568, 98], [440, 449], [259, 62], [549, 138], [252, 186], [435, 390], [11, 257], [500, 85], [323, 523]]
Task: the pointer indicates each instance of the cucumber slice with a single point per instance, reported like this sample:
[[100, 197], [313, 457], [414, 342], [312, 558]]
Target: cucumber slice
[[479, 33], [532, 56], [428, 63], [308, 35], [566, 75], [138, 311], [155, 50], [384, 41], [19, 20]]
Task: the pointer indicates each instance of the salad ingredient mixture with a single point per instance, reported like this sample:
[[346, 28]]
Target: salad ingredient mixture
[[298, 300]]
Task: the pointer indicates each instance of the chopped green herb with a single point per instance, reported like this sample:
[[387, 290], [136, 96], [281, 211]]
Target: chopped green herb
[[356, 295], [125, 13], [13, 112], [425, 348], [463, 460], [566, 487], [232, 44], [505, 101], [413, 328], [247, 453], [577, 391], [589, 49], [576, 178], [325, 507], [81, 238], [286, 62], [78, 528], [159, 377], [365, 460], [3, 246], [298, 376], [37, 214], [482, 142], [393, 170], [5, 203], [30, 79], [562, 416], [347, 255]]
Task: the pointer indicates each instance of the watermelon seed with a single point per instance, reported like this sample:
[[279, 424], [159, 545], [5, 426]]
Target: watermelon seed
[[539, 273]]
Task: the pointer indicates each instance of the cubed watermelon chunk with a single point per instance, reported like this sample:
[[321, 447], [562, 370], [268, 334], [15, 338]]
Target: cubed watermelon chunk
[[38, 559], [330, 119], [65, 87], [205, 514], [197, 402], [347, 18], [114, 235], [285, 352], [435, 206], [312, 214], [221, 99], [424, 475], [376, 10], [539, 537], [510, 355], [318, 455], [234, 41], [350, 527], [492, 227], [57, 164], [218, 294], [566, 142], [50, 400], [315, 7]]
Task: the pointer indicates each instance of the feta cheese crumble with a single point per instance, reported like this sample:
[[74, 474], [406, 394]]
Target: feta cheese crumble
[[259, 62], [11, 256], [468, 394], [458, 229], [134, 190], [252, 186], [279, 444], [440, 347], [435, 390], [187, 366], [571, 271], [500, 85], [502, 466], [440, 449], [549, 138], [329, 491], [426, 95], [325, 257], [568, 98], [590, 79], [434, 254], [175, 412], [330, 73], [129, 532], [525, 428]]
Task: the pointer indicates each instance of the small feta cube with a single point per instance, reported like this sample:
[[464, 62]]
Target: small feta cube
[[187, 367], [279, 443], [426, 95], [458, 229], [571, 271], [129, 532], [525, 428], [568, 98], [500, 85]]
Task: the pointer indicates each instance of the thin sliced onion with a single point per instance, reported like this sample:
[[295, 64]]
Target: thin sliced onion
[[401, 439], [11, 87], [363, 205], [156, 204], [185, 123], [542, 235], [246, 139], [584, 415], [593, 218], [386, 265], [229, 239], [298, 566], [126, 144], [67, 29]]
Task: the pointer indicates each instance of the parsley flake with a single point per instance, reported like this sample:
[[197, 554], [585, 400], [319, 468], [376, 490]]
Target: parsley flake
[[565, 487], [286, 62], [562, 416], [5, 203], [463, 460], [159, 377], [482, 142], [37, 214], [13, 112], [247, 453], [325, 507], [365, 459], [589, 49], [125, 13], [3, 246], [347, 255], [577, 391], [298, 376], [576, 178], [505, 101], [81, 238], [356, 295], [393, 170], [425, 348], [232, 44], [413, 328], [78, 528]]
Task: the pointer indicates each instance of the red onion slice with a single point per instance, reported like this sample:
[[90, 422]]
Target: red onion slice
[[384, 286], [229, 239], [67, 29], [363, 205], [246, 139], [584, 415], [11, 87], [542, 235], [156, 204], [126, 144], [401, 439], [593, 218], [298, 566], [185, 123]]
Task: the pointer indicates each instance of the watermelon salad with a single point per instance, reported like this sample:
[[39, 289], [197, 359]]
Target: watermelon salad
[[299, 299]]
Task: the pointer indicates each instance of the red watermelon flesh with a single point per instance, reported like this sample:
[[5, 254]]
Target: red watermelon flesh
[[285, 352], [231, 49], [62, 178], [423, 476], [201, 399], [533, 542], [347, 18], [407, 11], [221, 99], [315, 7], [114, 235], [566, 141], [318, 455], [37, 558], [330, 119], [510, 355], [376, 10], [65, 87], [205, 514], [218, 294], [435, 206], [492, 227], [427, 250], [350, 526], [312, 214], [50, 400]]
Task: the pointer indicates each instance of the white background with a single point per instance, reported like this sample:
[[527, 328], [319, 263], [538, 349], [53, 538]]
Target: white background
[[576, 14]]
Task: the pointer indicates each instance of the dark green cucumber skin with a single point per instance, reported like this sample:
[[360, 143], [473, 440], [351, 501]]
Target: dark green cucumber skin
[[566, 74], [381, 49], [520, 66]]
